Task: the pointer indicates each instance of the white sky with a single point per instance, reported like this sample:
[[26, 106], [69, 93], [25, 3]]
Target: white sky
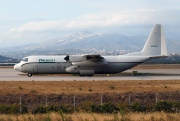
[[33, 21]]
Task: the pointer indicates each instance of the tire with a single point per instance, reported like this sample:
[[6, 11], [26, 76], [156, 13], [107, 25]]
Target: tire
[[29, 74]]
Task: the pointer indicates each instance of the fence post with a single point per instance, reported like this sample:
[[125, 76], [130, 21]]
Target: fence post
[[74, 102], [101, 99], [157, 97], [46, 100], [20, 105], [129, 101]]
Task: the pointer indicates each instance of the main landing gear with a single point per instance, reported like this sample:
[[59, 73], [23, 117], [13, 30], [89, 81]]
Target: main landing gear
[[29, 74]]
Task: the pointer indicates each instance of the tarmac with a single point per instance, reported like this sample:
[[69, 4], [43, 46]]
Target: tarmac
[[9, 74]]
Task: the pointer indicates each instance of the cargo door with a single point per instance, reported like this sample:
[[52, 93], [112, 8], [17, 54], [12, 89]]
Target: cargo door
[[35, 69]]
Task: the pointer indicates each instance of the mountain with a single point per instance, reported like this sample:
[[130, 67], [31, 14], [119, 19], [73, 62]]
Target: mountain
[[6, 59], [85, 42]]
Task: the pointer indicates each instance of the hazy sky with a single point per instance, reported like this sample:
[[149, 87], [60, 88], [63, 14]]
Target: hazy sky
[[33, 21]]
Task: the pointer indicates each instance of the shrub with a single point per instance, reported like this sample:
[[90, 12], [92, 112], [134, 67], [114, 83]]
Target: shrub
[[12, 109], [87, 107], [137, 107], [80, 88], [165, 106], [40, 109], [106, 108], [24, 110], [112, 87], [90, 90], [109, 108], [20, 88], [176, 106], [124, 107], [52, 108], [67, 108], [97, 108]]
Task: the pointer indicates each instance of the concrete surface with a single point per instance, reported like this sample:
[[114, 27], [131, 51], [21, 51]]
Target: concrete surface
[[9, 74]]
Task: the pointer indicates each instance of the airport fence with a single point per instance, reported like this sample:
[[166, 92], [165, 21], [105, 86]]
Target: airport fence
[[99, 103]]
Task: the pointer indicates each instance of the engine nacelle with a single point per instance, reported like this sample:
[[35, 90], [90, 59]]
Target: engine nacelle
[[72, 69], [74, 58], [80, 71]]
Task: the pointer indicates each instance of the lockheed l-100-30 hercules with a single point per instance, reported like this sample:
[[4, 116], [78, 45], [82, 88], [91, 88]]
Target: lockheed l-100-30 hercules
[[90, 64]]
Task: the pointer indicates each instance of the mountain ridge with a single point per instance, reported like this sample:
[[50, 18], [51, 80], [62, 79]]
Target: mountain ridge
[[85, 42]]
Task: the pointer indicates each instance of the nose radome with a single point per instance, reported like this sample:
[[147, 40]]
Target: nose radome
[[17, 67]]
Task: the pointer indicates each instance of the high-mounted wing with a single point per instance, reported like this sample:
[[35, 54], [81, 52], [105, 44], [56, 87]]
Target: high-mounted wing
[[96, 57], [80, 58], [91, 60], [79, 62]]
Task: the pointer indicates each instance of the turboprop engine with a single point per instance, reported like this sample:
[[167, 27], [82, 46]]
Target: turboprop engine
[[82, 71], [75, 58], [84, 65], [84, 68]]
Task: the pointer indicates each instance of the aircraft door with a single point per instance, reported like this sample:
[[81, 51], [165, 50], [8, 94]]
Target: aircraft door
[[35, 69], [59, 66]]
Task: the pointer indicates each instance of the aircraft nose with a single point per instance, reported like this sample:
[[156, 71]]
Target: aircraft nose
[[17, 67]]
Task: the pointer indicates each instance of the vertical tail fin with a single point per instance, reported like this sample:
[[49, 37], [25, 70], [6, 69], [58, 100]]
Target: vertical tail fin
[[155, 44]]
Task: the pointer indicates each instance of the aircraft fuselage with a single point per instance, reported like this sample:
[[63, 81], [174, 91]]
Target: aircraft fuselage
[[90, 64], [58, 65]]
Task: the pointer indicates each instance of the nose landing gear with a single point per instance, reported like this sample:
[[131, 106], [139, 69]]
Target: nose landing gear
[[29, 74]]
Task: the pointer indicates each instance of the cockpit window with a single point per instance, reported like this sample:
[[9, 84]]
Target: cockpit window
[[25, 59]]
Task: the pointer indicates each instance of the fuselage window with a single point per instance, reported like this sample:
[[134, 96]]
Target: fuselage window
[[25, 59]]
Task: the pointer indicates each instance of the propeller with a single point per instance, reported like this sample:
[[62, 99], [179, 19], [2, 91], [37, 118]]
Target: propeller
[[66, 58]]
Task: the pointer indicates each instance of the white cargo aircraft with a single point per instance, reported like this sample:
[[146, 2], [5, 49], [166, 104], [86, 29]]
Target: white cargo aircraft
[[90, 64]]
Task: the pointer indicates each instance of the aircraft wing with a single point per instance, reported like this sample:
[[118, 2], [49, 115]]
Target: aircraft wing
[[87, 57], [91, 60], [93, 57]]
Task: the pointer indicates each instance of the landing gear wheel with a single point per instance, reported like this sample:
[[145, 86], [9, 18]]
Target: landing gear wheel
[[29, 74]]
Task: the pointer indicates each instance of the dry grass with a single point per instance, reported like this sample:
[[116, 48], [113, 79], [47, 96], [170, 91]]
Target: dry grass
[[85, 87], [92, 117], [6, 66]]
